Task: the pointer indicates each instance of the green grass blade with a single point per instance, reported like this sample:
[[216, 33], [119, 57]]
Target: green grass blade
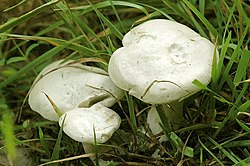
[[42, 32], [75, 24], [177, 9], [56, 109], [117, 15], [164, 120], [15, 6], [231, 14], [51, 53], [12, 23], [157, 12], [24, 56], [202, 4], [7, 130], [111, 26], [56, 151], [242, 67], [232, 60], [242, 15], [85, 28], [88, 8], [31, 65], [215, 71], [232, 112], [197, 127], [201, 156], [15, 59], [220, 15], [131, 110], [203, 19], [216, 95], [96, 149], [211, 153], [244, 107], [225, 46], [245, 162], [43, 142], [196, 24], [180, 145], [30, 48], [237, 144], [202, 86], [65, 17], [224, 151], [60, 42], [243, 126]]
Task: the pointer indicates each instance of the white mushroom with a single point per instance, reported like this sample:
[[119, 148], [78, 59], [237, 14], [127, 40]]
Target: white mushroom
[[71, 86], [90, 125], [81, 123], [159, 61]]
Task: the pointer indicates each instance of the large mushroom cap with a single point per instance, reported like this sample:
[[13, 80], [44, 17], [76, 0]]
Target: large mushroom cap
[[70, 86], [80, 123], [159, 61]]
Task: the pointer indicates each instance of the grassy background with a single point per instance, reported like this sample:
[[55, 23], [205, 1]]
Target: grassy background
[[35, 33]]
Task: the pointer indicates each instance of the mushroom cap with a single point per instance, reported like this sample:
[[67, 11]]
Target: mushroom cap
[[80, 123], [159, 61], [70, 86]]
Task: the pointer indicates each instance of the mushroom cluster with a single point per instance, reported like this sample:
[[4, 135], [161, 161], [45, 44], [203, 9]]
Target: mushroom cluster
[[157, 64], [83, 95]]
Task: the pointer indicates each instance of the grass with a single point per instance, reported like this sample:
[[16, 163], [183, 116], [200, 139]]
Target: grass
[[216, 129]]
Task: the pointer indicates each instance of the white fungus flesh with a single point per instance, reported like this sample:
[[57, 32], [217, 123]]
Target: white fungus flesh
[[81, 123], [70, 86], [159, 61]]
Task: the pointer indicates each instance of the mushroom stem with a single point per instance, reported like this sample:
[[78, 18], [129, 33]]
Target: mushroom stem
[[173, 111]]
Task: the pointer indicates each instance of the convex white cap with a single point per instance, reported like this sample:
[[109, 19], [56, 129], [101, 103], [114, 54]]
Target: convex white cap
[[159, 61], [71, 85], [81, 123]]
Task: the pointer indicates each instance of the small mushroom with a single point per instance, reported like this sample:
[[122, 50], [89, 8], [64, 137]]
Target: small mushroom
[[91, 125], [71, 85], [81, 123], [159, 61]]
